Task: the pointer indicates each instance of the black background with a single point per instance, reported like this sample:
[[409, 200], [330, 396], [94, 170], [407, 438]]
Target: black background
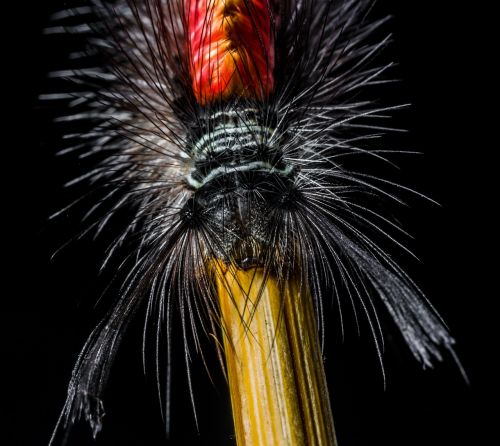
[[48, 306]]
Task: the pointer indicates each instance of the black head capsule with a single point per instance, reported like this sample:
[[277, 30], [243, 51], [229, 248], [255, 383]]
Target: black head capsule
[[238, 175]]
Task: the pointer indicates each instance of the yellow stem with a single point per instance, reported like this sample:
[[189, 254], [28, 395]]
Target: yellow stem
[[274, 365]]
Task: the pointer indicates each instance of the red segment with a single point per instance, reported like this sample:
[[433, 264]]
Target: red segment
[[231, 49]]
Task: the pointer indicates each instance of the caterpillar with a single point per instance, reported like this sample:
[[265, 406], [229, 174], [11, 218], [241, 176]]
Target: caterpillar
[[223, 133]]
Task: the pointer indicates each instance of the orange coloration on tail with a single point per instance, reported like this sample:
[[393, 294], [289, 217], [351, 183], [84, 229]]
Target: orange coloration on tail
[[231, 49]]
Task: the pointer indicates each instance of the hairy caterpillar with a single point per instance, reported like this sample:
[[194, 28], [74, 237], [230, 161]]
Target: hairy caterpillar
[[252, 177]]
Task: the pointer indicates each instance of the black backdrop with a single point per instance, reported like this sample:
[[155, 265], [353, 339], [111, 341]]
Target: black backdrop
[[48, 306]]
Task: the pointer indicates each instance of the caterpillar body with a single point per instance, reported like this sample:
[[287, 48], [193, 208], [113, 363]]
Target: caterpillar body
[[222, 127]]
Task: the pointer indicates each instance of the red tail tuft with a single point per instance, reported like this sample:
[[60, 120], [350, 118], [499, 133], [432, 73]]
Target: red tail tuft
[[231, 49]]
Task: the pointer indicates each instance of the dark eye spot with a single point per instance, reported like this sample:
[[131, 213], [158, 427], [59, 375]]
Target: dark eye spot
[[192, 212], [287, 198]]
